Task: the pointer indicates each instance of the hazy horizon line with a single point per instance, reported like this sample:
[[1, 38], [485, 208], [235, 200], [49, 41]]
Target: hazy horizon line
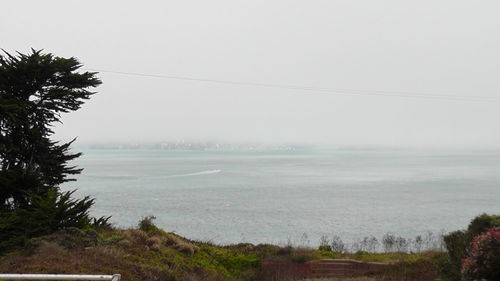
[[125, 143]]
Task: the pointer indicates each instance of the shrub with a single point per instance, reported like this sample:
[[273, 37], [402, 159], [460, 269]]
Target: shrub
[[483, 262], [45, 215], [146, 224], [457, 242], [370, 244], [324, 243], [113, 239], [444, 267], [418, 243], [482, 223], [337, 245], [389, 242], [102, 223]]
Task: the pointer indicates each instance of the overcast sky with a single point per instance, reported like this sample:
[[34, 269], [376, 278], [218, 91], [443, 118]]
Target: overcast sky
[[423, 47]]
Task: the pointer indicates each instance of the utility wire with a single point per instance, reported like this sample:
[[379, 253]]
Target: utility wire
[[335, 91]]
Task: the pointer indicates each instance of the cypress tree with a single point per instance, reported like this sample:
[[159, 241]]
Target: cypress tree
[[35, 89]]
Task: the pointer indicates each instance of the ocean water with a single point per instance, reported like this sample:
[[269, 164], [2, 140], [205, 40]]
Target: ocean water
[[277, 196]]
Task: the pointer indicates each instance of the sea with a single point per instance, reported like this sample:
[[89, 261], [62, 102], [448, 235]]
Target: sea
[[291, 196]]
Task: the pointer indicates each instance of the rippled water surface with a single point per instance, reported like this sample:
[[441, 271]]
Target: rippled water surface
[[271, 196]]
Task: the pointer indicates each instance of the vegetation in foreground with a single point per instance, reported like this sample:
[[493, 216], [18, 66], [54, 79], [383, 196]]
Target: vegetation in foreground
[[35, 89], [150, 253]]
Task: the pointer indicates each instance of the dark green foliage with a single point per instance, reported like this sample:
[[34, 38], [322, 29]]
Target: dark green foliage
[[458, 242], [445, 268], [34, 90], [481, 224], [101, 223], [46, 214], [146, 224], [483, 260]]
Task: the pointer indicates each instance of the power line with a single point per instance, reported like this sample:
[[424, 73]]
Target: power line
[[335, 91]]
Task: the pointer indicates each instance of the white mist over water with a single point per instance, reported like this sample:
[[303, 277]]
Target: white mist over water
[[271, 196]]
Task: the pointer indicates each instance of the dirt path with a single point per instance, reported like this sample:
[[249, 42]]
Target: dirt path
[[342, 279]]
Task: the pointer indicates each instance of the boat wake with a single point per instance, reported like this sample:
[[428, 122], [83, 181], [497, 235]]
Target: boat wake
[[208, 172]]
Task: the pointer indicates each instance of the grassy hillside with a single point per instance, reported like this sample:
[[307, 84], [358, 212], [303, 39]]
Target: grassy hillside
[[149, 253]]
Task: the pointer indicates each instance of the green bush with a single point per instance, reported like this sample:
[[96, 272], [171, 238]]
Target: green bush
[[45, 215], [483, 261], [457, 242], [445, 267], [146, 224], [482, 223]]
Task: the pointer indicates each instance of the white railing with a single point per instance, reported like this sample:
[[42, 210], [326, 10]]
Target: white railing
[[114, 277]]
